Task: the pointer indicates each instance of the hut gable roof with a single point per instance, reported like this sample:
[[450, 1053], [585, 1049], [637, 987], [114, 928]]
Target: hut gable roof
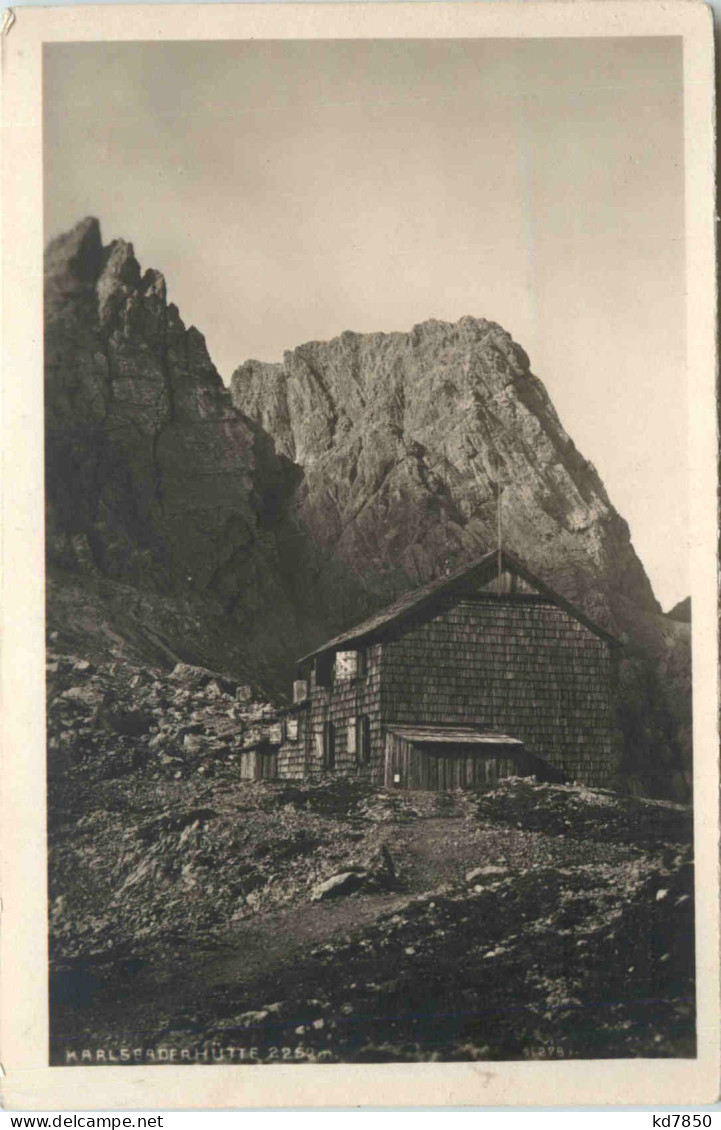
[[424, 599]]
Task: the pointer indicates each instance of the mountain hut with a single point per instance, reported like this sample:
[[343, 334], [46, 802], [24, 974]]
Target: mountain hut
[[479, 675]]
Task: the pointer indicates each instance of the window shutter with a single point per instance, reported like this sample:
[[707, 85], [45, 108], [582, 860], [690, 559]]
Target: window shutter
[[362, 741], [323, 669], [329, 746]]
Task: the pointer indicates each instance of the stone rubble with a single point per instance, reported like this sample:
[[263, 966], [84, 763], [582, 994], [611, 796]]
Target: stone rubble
[[553, 894]]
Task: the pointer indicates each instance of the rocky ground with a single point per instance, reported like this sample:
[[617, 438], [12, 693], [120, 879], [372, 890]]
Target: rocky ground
[[195, 917]]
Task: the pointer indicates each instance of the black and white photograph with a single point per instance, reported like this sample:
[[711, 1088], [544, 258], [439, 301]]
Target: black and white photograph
[[368, 551]]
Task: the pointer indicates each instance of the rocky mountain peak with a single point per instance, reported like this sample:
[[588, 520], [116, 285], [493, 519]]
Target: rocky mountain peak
[[681, 611], [403, 437], [74, 259], [154, 479]]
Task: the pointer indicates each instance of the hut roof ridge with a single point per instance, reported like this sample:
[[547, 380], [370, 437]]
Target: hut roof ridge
[[427, 595]]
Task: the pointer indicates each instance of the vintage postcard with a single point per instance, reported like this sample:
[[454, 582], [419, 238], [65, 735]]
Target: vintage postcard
[[359, 652]]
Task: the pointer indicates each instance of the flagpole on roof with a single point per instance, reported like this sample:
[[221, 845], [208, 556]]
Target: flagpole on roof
[[496, 463], [500, 541]]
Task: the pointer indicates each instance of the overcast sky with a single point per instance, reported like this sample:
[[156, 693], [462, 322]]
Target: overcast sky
[[292, 190]]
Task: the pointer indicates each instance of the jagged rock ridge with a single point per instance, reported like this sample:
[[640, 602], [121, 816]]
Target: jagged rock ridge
[[170, 522]]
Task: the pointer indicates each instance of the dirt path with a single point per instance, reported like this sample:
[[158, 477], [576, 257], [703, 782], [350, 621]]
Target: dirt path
[[429, 854], [423, 853]]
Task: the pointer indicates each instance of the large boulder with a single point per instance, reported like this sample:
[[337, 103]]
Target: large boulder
[[344, 883], [198, 678]]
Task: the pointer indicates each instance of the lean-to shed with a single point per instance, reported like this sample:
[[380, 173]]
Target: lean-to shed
[[259, 761]]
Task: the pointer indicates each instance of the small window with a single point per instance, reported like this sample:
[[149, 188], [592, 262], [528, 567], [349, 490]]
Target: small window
[[350, 665], [363, 739], [328, 745]]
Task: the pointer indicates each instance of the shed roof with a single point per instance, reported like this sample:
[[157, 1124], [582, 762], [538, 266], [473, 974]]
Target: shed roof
[[454, 735], [425, 597]]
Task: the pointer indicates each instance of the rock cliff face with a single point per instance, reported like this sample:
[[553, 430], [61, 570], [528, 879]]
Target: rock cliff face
[[169, 515], [402, 438]]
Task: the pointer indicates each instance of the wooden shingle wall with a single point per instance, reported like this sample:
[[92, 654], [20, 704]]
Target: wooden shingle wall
[[524, 666], [340, 704], [291, 760]]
